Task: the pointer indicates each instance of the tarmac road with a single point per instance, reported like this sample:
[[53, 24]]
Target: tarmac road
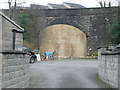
[[73, 73]]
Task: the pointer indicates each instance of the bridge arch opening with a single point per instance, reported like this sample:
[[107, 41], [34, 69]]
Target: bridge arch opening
[[68, 41]]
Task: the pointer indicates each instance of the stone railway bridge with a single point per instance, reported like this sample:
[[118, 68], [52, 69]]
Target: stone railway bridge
[[93, 24]]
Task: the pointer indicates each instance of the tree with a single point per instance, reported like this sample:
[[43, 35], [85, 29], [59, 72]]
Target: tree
[[24, 22], [13, 5], [107, 3], [115, 31]]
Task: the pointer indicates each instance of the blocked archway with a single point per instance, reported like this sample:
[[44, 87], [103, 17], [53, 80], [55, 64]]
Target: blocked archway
[[67, 40]]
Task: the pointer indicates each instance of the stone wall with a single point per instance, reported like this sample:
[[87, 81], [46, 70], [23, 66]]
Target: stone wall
[[15, 70], [109, 67]]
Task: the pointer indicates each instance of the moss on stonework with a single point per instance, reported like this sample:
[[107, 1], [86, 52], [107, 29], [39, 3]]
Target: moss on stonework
[[101, 83]]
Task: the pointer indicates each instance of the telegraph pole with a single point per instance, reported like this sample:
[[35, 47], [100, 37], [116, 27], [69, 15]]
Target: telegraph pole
[[9, 3]]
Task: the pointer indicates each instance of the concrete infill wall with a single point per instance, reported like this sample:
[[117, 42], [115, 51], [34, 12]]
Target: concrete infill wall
[[66, 40], [15, 70], [109, 67]]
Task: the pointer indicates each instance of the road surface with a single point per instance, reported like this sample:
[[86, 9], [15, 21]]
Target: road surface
[[67, 73]]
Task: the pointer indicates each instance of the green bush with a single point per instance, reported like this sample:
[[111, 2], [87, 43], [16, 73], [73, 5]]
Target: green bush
[[95, 54], [24, 22]]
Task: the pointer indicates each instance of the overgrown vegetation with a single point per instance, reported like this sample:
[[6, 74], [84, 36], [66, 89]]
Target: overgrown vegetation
[[25, 22], [28, 45], [115, 31], [95, 54]]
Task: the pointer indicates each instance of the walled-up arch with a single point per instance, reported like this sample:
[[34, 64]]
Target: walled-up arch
[[66, 40]]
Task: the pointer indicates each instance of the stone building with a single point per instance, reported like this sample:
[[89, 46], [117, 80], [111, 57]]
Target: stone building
[[14, 66], [64, 5]]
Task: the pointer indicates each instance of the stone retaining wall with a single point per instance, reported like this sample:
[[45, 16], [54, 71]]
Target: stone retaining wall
[[109, 67], [15, 70]]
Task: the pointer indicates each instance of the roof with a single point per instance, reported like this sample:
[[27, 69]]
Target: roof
[[3, 15], [73, 5], [64, 5], [34, 6], [56, 6]]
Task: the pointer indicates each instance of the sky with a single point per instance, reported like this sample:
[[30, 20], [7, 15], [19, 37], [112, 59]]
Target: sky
[[86, 3]]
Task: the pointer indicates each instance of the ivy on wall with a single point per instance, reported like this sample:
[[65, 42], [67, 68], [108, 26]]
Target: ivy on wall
[[24, 22], [115, 31]]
